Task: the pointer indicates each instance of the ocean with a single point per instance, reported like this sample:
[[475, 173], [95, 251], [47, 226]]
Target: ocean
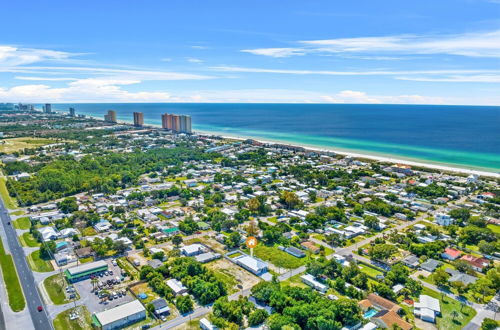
[[459, 136]]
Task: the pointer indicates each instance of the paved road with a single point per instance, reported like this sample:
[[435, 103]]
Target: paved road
[[198, 312], [33, 300]]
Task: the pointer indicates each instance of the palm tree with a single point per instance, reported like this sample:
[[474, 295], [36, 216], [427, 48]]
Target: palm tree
[[454, 314], [94, 282]]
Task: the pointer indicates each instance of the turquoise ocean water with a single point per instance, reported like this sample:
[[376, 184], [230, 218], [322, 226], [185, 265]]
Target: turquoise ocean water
[[462, 136]]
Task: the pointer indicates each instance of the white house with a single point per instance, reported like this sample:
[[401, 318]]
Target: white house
[[443, 219], [427, 308], [48, 233]]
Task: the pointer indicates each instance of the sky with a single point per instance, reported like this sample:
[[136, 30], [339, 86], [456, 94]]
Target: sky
[[308, 51]]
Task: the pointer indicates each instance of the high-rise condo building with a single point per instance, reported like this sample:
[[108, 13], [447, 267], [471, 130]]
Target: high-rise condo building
[[138, 119], [47, 108], [176, 123], [110, 117], [72, 112], [166, 121], [188, 124]]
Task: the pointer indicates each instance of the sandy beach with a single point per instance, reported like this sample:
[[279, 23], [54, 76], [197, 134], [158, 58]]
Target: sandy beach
[[381, 158]]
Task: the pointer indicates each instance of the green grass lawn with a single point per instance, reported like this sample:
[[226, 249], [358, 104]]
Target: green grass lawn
[[370, 271], [89, 231], [446, 320], [20, 212], [22, 223], [84, 321], [55, 286], [28, 240], [9, 274], [88, 259], [124, 264], [494, 228], [228, 279], [296, 281], [38, 264], [277, 257], [10, 203]]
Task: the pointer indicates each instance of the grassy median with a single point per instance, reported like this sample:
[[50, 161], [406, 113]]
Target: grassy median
[[28, 240], [55, 286], [38, 264], [22, 223], [14, 291], [83, 322], [10, 203]]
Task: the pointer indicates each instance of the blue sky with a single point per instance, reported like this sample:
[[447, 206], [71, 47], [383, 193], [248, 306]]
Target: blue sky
[[428, 52]]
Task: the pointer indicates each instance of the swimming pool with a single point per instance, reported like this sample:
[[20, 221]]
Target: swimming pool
[[370, 313]]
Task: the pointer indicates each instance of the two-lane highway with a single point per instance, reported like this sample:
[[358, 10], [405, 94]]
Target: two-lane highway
[[33, 300]]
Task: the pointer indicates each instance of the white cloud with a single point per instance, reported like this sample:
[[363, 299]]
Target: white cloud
[[12, 56], [199, 47], [486, 78], [491, 76], [44, 78], [194, 60], [84, 90], [109, 72], [477, 44], [276, 52]]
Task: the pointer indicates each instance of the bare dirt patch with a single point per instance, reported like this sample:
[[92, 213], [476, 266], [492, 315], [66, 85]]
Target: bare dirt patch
[[241, 276]]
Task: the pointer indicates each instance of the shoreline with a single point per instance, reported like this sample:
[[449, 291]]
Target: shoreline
[[387, 159], [348, 153]]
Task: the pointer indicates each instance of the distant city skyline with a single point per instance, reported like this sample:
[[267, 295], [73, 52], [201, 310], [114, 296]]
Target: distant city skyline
[[425, 52]]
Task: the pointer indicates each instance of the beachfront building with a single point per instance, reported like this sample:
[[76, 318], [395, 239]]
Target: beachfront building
[[120, 316], [138, 119], [84, 271], [110, 117], [176, 123]]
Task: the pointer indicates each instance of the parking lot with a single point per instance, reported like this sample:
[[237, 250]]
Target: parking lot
[[93, 302]]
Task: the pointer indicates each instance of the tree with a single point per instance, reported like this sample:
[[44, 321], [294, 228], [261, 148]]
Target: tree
[[486, 247], [459, 286], [489, 324], [257, 317], [252, 229], [184, 304], [441, 277], [119, 246], [233, 240], [371, 222], [461, 214], [47, 250], [454, 314], [253, 205], [177, 240], [68, 205], [290, 199]]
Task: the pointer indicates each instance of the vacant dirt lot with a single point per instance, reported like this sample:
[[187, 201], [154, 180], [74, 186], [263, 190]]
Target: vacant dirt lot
[[241, 276]]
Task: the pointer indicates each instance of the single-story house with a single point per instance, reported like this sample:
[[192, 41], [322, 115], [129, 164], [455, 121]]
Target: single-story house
[[430, 265], [161, 307], [310, 246], [427, 308], [478, 264], [176, 286], [411, 261], [378, 302], [388, 319], [457, 276], [451, 254]]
